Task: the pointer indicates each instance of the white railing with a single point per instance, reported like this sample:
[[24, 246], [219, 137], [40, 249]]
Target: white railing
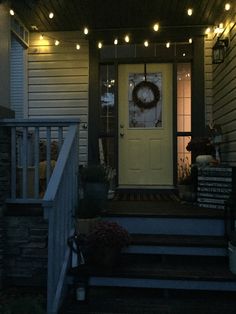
[[35, 145], [59, 205], [61, 196]]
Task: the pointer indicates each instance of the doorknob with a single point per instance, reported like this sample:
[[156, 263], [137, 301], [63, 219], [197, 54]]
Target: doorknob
[[122, 130]]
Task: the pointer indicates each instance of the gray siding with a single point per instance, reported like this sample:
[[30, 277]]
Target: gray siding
[[208, 79], [58, 80], [17, 78], [224, 100]]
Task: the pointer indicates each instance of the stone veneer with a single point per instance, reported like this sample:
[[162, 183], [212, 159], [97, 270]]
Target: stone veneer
[[4, 184], [25, 258]]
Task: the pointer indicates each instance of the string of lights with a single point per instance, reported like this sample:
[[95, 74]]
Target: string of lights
[[217, 30]]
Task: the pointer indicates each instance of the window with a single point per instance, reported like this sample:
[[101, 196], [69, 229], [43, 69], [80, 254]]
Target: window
[[183, 112], [107, 114]]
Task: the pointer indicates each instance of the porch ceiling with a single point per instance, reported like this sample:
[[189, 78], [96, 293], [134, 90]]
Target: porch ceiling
[[122, 15]]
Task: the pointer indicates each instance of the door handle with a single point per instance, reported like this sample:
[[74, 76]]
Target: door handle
[[122, 133]]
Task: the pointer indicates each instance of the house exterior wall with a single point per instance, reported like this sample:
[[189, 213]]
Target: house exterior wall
[[208, 79], [58, 80], [224, 100], [5, 112]]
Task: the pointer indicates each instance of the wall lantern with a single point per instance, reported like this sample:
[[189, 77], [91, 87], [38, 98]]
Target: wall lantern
[[219, 50]]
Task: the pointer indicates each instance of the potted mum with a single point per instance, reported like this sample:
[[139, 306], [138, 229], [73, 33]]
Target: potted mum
[[201, 146], [105, 242]]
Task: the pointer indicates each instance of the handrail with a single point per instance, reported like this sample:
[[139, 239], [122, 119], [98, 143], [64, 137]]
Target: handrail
[[59, 203]]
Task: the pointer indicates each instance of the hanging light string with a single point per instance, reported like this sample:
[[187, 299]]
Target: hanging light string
[[127, 37]]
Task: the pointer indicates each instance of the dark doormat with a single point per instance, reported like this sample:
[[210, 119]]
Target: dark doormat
[[121, 195]]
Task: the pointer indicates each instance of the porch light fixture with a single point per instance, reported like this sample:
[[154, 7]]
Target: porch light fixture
[[219, 50], [100, 45], [168, 45], [12, 12], [51, 15], [190, 40], [77, 46], [146, 43], [41, 37], [57, 42], [115, 41]]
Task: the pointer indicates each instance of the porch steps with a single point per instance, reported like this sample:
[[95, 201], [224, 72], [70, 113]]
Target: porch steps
[[175, 248]]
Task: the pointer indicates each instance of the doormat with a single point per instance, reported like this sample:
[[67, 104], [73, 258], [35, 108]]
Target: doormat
[[145, 196]]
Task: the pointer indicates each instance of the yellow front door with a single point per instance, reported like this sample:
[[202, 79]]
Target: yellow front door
[[145, 125]]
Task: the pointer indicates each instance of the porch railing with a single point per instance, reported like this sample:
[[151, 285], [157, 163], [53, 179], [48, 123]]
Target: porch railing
[[59, 204], [61, 195], [35, 145]]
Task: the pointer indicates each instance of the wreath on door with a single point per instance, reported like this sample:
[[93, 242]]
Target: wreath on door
[[144, 104]]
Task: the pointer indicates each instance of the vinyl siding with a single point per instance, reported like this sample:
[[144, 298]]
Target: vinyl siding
[[58, 80], [208, 79], [17, 78], [224, 100]]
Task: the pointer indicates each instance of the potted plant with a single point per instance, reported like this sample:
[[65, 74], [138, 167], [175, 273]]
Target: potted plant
[[104, 244], [201, 146], [95, 184], [185, 180]]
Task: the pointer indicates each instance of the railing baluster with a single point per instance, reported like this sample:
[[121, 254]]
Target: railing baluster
[[48, 158], [60, 137], [13, 162], [25, 163], [36, 163]]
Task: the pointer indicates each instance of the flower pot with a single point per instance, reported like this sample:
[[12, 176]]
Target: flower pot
[[204, 160], [186, 192], [104, 257]]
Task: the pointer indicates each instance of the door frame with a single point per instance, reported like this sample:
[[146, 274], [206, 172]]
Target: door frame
[[110, 55]]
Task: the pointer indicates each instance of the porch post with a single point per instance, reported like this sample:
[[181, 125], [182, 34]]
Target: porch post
[[198, 87], [5, 112]]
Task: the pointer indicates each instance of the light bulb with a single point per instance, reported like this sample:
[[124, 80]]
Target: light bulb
[[227, 6], [190, 40], [99, 45], [41, 37], [156, 27], [190, 11], [127, 38], [86, 31], [57, 42], [12, 12], [207, 31], [168, 45], [51, 15], [146, 43], [115, 41], [78, 46]]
